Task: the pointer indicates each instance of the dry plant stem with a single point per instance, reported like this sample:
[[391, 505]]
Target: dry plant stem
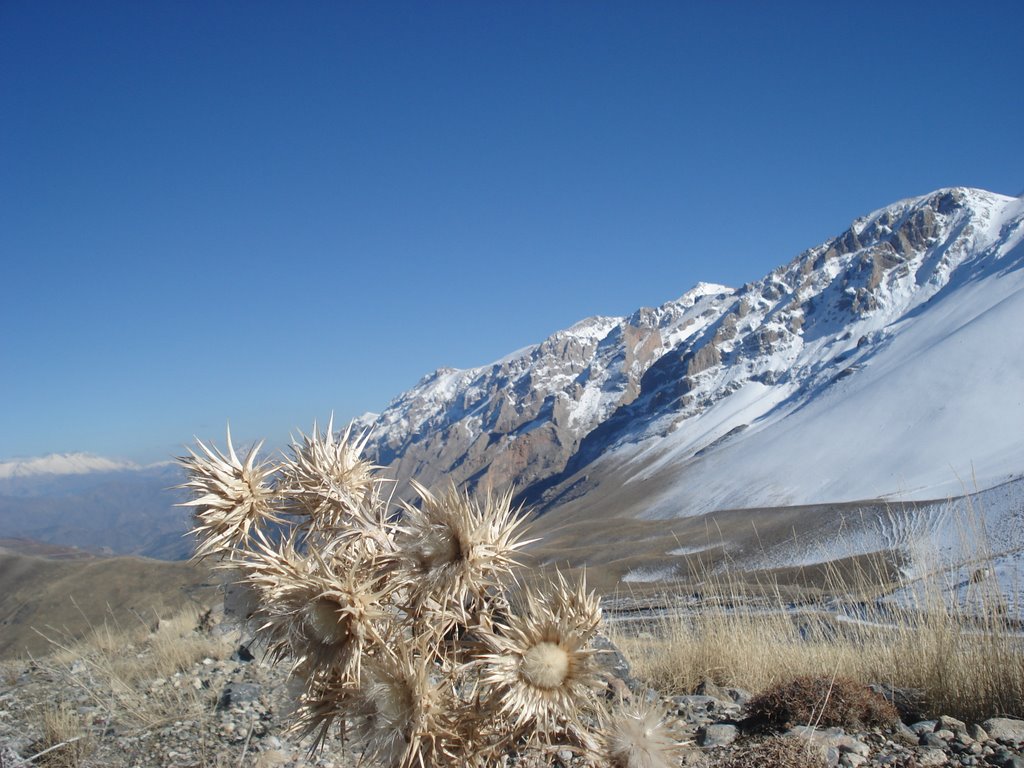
[[55, 747], [248, 737]]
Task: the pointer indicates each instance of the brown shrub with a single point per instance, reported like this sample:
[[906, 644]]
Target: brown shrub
[[774, 752], [819, 701]]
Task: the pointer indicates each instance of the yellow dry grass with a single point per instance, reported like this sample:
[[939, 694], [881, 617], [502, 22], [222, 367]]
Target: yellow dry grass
[[964, 661], [116, 666], [66, 741]]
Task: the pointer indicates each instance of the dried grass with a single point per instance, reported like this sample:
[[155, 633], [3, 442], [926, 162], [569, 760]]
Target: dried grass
[[773, 752], [114, 665], [965, 661], [66, 741]]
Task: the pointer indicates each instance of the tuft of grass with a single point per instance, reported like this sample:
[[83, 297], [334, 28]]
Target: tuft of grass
[[820, 701], [66, 741]]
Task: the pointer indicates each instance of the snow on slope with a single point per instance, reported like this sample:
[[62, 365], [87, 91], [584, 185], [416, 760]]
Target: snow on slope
[[519, 419], [912, 400]]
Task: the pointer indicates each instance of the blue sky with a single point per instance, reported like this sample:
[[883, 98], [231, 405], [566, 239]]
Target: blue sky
[[265, 212]]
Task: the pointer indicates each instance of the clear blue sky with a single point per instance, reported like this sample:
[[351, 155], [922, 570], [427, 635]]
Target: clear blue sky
[[263, 212]]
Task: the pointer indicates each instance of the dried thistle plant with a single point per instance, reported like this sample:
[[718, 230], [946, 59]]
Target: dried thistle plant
[[406, 628], [539, 670], [326, 478], [320, 614]]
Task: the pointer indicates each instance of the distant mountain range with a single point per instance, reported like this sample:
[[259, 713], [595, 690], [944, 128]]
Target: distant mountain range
[[60, 464], [883, 366], [94, 503]]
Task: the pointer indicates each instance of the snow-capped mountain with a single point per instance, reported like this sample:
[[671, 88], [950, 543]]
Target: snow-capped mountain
[[62, 464], [886, 362]]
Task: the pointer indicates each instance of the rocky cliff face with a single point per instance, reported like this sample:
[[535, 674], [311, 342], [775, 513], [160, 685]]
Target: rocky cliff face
[[545, 412], [520, 419]]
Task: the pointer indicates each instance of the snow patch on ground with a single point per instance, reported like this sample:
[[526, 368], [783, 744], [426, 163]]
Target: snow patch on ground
[[646, 575], [679, 551]]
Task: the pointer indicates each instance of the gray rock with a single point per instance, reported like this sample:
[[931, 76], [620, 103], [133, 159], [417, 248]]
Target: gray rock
[[908, 701], [904, 735], [834, 742], [739, 696], [614, 662], [9, 758], [718, 735], [235, 694], [708, 687], [932, 741], [1012, 761], [927, 757], [948, 723], [697, 703], [1006, 759], [1005, 730], [924, 726], [976, 732]]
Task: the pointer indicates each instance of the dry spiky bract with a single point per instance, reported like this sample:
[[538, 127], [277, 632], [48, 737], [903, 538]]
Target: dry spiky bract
[[319, 615], [403, 714], [405, 633], [232, 497]]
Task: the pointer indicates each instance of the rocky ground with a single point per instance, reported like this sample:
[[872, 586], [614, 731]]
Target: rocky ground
[[232, 711]]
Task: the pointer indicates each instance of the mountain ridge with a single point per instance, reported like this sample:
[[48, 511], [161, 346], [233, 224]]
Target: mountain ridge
[[540, 417]]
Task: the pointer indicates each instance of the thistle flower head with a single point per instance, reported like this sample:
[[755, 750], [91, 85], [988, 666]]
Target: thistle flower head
[[453, 548], [639, 739], [326, 478], [401, 715], [538, 670], [322, 614], [232, 497]]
